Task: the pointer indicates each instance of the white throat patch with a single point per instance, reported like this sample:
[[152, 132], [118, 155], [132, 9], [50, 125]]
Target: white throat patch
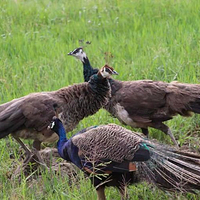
[[105, 74], [80, 56]]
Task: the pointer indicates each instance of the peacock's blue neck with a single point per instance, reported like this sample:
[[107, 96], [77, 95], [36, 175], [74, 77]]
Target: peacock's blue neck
[[62, 138], [88, 71]]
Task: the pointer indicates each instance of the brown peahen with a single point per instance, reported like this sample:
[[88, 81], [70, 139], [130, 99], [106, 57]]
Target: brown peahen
[[28, 117], [114, 156], [146, 103]]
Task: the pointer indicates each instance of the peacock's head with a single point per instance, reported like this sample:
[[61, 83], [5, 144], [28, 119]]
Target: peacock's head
[[55, 124], [79, 54], [107, 71]]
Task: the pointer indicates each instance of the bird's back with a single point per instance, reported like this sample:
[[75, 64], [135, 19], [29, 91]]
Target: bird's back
[[110, 142], [27, 115], [137, 100]]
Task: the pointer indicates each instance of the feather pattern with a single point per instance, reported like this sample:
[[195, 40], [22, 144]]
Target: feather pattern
[[110, 142]]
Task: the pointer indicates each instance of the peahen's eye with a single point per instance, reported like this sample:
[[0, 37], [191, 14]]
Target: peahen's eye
[[78, 51], [107, 70]]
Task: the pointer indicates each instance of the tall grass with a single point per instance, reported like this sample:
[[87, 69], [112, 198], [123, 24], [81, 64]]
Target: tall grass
[[149, 39]]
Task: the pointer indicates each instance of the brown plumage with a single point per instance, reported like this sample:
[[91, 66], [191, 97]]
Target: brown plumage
[[146, 103], [114, 156], [28, 117]]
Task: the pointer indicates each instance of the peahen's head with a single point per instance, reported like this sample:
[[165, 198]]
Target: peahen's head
[[106, 71], [79, 54], [55, 125]]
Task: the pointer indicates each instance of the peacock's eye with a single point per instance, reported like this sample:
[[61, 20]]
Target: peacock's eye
[[52, 124]]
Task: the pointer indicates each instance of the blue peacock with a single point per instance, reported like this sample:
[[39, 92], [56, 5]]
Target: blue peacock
[[114, 156]]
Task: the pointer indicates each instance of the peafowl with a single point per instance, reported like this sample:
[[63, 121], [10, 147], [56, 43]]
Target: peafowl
[[28, 117], [114, 156], [146, 103]]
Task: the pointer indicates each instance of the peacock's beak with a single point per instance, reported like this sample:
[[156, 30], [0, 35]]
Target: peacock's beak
[[114, 72]]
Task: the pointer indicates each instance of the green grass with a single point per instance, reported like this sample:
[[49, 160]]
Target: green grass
[[149, 39]]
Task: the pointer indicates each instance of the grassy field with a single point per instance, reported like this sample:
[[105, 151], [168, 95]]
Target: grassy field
[[149, 39]]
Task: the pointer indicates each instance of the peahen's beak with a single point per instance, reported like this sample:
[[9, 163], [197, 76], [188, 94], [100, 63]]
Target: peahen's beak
[[114, 72], [70, 53]]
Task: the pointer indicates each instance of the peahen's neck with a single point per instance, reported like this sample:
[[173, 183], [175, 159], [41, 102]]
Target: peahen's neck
[[88, 71], [99, 85]]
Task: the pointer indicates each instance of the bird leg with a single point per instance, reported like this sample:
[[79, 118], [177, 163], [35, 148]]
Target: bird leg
[[145, 131], [37, 144], [101, 193], [30, 154], [38, 158], [36, 153], [25, 161], [27, 151], [164, 128]]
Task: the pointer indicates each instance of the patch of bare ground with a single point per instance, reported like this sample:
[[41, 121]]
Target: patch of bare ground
[[54, 166]]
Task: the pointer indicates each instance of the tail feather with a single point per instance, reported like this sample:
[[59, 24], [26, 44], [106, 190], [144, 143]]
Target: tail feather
[[178, 158], [184, 98], [11, 119], [195, 106], [13, 127], [171, 169], [188, 156]]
